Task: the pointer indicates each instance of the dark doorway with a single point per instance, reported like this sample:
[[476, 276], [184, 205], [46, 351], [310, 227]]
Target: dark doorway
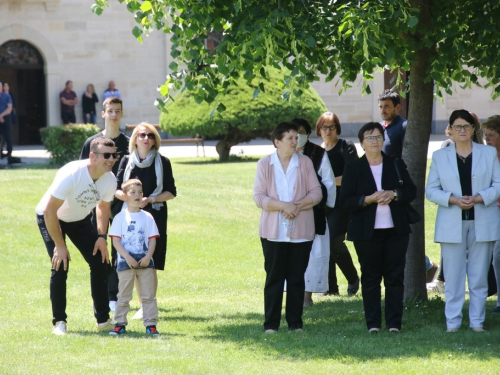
[[21, 65], [390, 78]]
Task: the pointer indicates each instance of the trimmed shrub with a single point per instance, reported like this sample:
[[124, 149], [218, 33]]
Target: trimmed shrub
[[247, 115], [65, 142]]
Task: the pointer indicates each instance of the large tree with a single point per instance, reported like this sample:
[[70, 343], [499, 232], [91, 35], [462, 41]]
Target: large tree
[[439, 42], [246, 117]]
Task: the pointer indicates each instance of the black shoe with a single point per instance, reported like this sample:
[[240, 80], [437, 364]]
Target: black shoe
[[13, 160], [352, 289], [496, 310]]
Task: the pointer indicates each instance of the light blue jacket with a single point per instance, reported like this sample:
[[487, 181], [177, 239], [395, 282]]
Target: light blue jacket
[[444, 180]]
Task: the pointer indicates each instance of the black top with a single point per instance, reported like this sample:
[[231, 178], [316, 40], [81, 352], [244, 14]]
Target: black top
[[121, 143], [344, 152], [358, 182], [148, 176], [88, 104], [465, 173]]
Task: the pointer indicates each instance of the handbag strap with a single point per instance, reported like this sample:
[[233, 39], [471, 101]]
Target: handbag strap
[[396, 167]]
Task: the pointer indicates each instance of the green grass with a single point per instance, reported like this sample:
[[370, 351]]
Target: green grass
[[210, 299]]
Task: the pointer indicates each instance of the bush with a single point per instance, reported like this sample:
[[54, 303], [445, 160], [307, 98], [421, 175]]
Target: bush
[[247, 116], [65, 142]]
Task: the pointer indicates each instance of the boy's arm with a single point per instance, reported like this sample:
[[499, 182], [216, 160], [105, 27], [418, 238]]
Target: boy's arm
[[144, 262], [132, 263]]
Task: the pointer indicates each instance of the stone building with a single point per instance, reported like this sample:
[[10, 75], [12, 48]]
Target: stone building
[[44, 43]]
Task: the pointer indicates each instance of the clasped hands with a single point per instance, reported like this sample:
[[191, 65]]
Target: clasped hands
[[143, 262], [292, 209], [466, 202], [381, 197]]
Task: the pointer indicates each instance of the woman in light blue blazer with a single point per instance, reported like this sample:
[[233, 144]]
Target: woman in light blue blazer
[[464, 180]]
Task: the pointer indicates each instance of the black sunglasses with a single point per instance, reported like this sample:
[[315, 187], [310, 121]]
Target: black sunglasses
[[144, 135], [107, 155]]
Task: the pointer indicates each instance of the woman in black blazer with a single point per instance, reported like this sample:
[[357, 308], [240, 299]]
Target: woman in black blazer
[[378, 225]]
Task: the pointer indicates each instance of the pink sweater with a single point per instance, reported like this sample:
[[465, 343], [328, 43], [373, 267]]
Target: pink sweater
[[265, 189]]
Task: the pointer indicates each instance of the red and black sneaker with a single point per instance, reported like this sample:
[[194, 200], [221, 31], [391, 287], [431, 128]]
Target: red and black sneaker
[[118, 330], [151, 330]]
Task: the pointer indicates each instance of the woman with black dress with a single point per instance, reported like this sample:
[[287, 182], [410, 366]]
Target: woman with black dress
[[89, 98], [155, 172], [340, 152]]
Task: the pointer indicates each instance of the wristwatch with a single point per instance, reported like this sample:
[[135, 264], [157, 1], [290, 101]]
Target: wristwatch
[[105, 236], [395, 194]]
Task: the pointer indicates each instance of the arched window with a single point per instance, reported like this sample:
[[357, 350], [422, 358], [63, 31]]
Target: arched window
[[20, 54]]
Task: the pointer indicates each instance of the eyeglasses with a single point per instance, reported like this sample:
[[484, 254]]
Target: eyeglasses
[[374, 138], [465, 127], [107, 155], [331, 128], [148, 135]]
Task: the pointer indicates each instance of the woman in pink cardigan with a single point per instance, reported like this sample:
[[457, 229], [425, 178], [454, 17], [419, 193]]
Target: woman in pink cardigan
[[286, 189]]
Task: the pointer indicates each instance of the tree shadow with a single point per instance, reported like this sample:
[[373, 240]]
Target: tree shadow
[[335, 328], [232, 159]]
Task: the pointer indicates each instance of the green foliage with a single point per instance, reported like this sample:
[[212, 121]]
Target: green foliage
[[65, 142], [251, 111], [335, 38]]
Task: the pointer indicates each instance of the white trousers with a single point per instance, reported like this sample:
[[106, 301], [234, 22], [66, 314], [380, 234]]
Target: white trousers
[[471, 259]]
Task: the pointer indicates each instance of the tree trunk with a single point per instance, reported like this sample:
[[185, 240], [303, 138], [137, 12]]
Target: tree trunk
[[415, 149], [223, 147], [415, 155]]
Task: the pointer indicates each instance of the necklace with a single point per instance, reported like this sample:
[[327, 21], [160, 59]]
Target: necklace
[[289, 228], [464, 158]]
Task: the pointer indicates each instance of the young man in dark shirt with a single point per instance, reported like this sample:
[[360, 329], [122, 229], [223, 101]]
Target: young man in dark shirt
[[112, 114]]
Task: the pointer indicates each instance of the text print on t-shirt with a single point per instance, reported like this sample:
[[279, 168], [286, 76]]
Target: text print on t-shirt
[[89, 197]]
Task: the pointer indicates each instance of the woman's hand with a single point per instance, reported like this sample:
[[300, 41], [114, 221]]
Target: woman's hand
[[466, 202], [369, 199], [385, 197], [144, 202], [290, 210]]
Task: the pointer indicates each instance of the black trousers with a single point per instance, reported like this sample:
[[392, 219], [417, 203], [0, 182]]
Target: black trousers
[[112, 274], [383, 256], [338, 219], [68, 117], [83, 235], [284, 261]]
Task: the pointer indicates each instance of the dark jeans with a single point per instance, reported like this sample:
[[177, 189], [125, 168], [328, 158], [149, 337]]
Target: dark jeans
[[83, 235], [383, 256], [6, 133], [284, 261], [68, 117], [338, 219], [89, 118], [112, 275]]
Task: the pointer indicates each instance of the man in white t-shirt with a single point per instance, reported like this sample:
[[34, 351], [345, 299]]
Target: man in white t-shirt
[[65, 210]]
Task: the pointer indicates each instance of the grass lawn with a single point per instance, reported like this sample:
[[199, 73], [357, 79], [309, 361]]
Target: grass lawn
[[210, 299]]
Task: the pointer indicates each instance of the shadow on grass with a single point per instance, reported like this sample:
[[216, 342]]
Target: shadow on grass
[[335, 328], [232, 159]]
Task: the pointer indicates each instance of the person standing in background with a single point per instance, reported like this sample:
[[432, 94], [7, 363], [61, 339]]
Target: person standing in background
[[393, 123], [89, 98], [112, 91], [68, 102]]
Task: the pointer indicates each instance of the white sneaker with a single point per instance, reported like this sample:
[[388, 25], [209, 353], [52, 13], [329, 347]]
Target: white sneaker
[[435, 287], [59, 328], [112, 306], [106, 326], [138, 315]]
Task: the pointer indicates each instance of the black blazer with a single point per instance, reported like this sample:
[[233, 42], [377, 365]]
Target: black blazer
[[358, 182]]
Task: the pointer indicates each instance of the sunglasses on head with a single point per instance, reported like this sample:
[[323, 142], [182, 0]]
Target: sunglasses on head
[[107, 155], [148, 135]]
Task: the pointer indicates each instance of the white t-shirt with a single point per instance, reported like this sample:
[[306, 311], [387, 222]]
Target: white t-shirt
[[134, 229], [383, 217], [79, 192]]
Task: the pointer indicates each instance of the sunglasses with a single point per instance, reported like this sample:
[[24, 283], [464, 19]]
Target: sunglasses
[[107, 155], [148, 135]]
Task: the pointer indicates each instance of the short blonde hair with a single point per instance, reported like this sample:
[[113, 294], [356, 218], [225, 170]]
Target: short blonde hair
[[132, 145], [129, 183]]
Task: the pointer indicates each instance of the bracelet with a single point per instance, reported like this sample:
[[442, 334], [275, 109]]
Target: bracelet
[[154, 200]]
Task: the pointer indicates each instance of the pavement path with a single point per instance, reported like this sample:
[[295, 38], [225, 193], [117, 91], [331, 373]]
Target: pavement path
[[38, 154]]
